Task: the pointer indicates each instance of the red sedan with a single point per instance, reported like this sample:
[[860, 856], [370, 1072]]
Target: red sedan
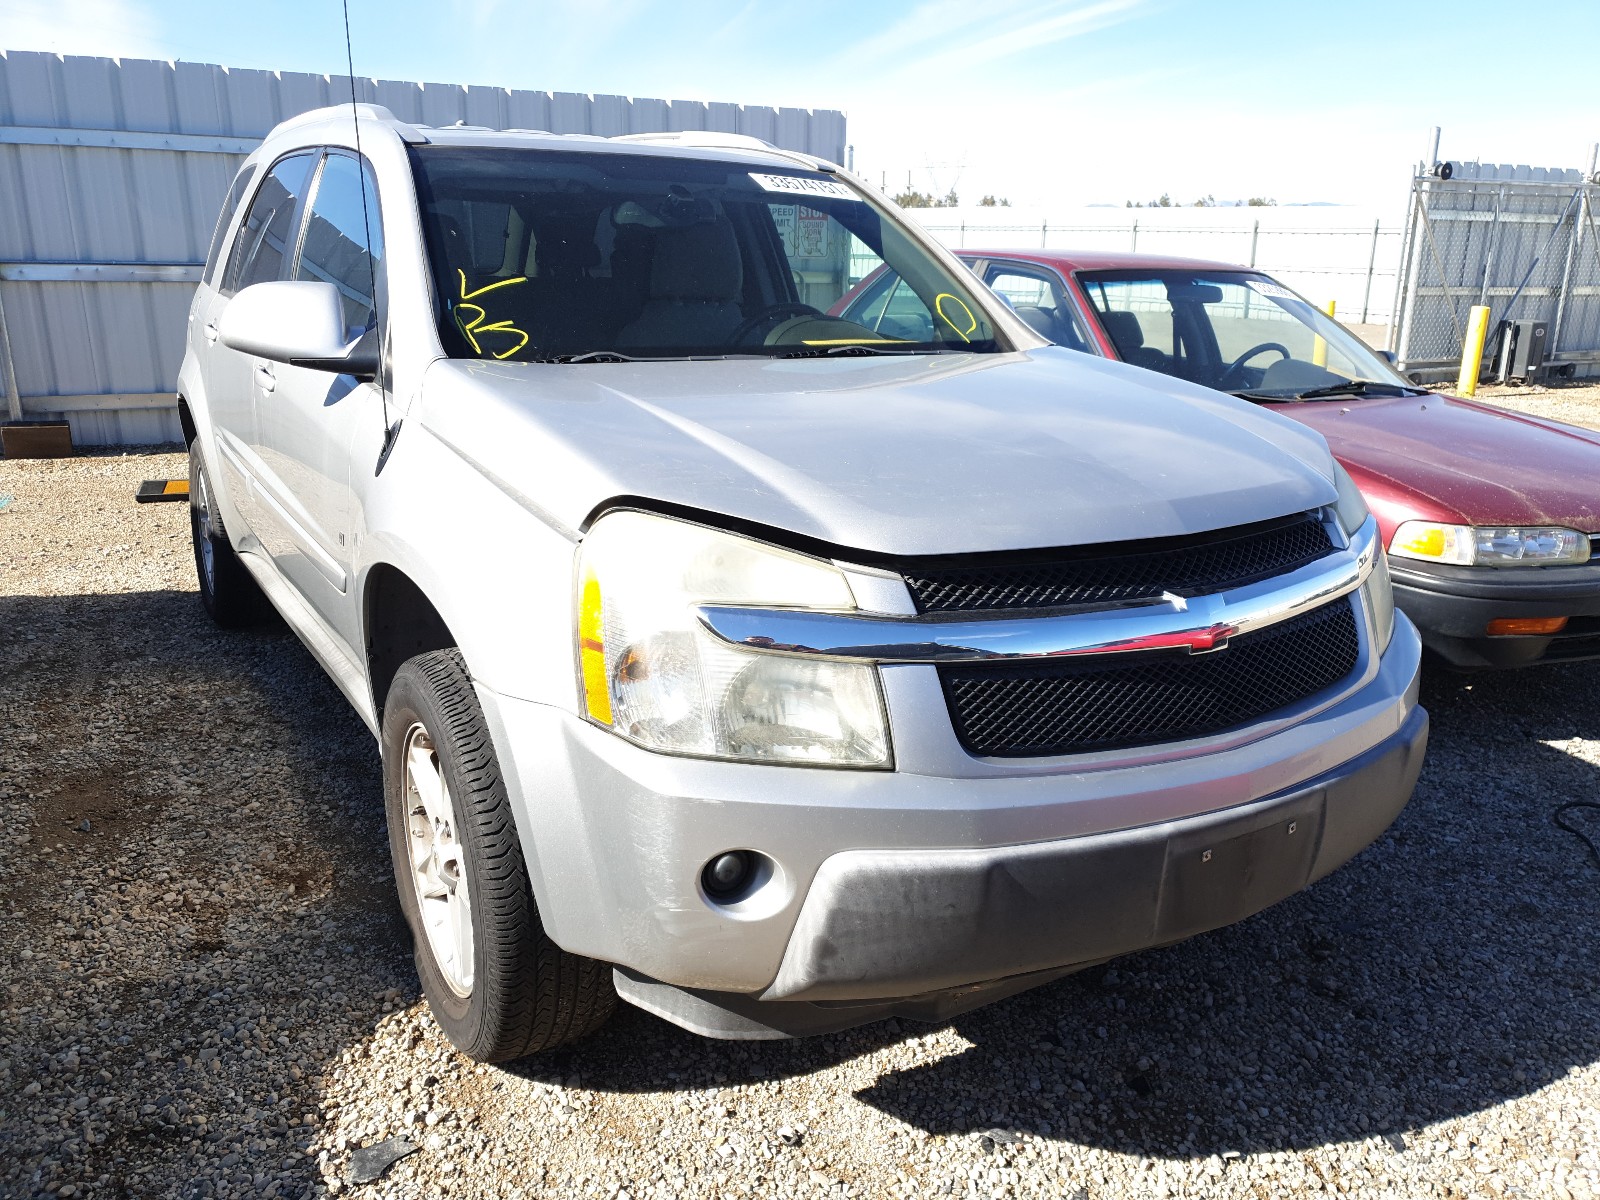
[[1491, 518]]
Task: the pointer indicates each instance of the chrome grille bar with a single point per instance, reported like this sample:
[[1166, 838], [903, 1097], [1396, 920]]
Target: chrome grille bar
[[1198, 625]]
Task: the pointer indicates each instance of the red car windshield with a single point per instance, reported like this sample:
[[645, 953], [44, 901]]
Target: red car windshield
[[1235, 331]]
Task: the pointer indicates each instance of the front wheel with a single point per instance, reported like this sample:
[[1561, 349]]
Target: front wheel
[[497, 985]]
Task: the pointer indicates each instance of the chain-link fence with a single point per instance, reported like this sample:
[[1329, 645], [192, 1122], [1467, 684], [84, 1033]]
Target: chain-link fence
[[1326, 255], [1521, 241]]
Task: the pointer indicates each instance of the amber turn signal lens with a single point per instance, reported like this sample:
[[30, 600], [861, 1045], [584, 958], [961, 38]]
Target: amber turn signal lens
[[592, 650], [1510, 625]]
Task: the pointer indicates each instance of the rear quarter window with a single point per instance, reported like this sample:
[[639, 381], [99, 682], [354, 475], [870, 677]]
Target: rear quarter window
[[230, 205]]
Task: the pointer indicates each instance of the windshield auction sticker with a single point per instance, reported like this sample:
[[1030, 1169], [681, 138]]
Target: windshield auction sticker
[[1276, 291], [805, 185]]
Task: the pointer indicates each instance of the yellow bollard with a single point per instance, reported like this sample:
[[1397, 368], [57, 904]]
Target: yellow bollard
[[1472, 350], [1319, 348]]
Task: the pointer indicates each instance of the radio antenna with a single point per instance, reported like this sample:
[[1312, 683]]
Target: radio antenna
[[389, 431]]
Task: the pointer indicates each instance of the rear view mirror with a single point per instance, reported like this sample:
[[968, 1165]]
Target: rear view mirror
[[1194, 293], [299, 322]]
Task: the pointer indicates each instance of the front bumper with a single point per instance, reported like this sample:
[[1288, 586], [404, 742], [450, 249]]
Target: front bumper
[[940, 885], [1452, 606], [906, 933]]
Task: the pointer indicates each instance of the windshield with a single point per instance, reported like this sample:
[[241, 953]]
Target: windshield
[[542, 255], [1235, 331]]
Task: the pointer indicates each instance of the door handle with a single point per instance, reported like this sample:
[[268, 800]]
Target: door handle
[[210, 331], [266, 378]]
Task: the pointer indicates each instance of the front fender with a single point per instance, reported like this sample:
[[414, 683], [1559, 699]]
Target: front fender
[[498, 575]]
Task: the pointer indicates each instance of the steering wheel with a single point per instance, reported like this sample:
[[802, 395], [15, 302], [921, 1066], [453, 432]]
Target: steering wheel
[[771, 314], [1234, 367]]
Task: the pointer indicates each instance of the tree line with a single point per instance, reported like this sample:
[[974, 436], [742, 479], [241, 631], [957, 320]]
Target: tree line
[[1166, 201], [912, 198]]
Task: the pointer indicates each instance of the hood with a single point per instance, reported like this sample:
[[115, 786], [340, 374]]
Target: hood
[[1452, 460], [906, 455]]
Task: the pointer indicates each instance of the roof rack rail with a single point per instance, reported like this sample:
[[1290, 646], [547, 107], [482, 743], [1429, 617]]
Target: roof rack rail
[[375, 114], [709, 138]]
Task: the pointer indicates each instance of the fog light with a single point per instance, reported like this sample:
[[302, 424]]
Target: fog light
[[1506, 626], [727, 874]]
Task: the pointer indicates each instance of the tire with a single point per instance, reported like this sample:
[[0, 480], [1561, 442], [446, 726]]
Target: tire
[[227, 589], [498, 986]]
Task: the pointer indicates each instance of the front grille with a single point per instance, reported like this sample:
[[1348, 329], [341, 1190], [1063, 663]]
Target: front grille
[[1011, 710], [1192, 566]]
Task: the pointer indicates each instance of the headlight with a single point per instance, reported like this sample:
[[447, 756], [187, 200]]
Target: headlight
[[1351, 507], [1489, 545], [1379, 595], [652, 674]]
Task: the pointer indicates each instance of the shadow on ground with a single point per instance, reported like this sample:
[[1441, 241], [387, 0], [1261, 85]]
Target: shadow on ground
[[1451, 967], [199, 875]]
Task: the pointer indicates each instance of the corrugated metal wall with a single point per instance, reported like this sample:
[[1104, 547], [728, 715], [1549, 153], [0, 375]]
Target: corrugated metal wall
[[111, 173]]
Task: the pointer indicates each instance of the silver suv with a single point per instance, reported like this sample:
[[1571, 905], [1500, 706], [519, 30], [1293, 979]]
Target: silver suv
[[773, 670]]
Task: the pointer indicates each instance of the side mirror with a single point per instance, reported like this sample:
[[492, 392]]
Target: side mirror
[[1387, 356], [299, 322]]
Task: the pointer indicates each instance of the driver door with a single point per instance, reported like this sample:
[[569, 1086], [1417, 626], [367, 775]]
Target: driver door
[[315, 425]]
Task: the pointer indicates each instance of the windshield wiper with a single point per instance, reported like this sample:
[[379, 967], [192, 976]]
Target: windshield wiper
[[1357, 387], [1353, 387], [856, 348], [617, 356], [596, 356]]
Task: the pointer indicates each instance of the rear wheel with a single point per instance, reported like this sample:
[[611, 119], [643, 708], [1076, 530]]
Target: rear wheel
[[497, 985], [227, 589]]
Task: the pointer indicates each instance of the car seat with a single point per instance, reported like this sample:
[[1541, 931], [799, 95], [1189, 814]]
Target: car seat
[[696, 281], [1127, 336]]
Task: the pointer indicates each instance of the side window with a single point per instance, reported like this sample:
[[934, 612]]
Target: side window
[[335, 248], [262, 249], [1040, 301], [1022, 289], [888, 306], [229, 205], [905, 315], [1137, 317]]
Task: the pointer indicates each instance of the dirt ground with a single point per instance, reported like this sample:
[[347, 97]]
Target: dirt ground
[[1576, 403], [206, 990]]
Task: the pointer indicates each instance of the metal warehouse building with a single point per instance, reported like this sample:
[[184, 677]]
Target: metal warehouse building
[[111, 174]]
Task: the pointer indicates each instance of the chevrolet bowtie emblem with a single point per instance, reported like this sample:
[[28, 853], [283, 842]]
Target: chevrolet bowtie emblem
[[1195, 641], [1203, 641]]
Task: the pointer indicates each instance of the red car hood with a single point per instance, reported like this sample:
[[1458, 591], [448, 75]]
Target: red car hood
[[1446, 459]]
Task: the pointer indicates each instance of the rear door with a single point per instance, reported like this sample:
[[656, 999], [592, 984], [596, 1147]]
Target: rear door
[[310, 422], [262, 250], [207, 305]]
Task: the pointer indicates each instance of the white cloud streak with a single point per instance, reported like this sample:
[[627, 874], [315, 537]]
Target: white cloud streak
[[956, 35]]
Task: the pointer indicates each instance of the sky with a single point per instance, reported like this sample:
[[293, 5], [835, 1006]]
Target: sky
[[1048, 103]]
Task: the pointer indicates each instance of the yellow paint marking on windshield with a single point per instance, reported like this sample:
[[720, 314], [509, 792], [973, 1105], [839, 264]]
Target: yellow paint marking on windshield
[[471, 328], [938, 307]]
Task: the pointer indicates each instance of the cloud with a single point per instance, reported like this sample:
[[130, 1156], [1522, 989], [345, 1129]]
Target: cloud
[[955, 35], [1033, 34], [109, 28]]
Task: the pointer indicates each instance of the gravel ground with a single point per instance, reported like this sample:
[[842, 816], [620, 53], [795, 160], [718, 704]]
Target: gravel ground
[[208, 990], [1577, 403]]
